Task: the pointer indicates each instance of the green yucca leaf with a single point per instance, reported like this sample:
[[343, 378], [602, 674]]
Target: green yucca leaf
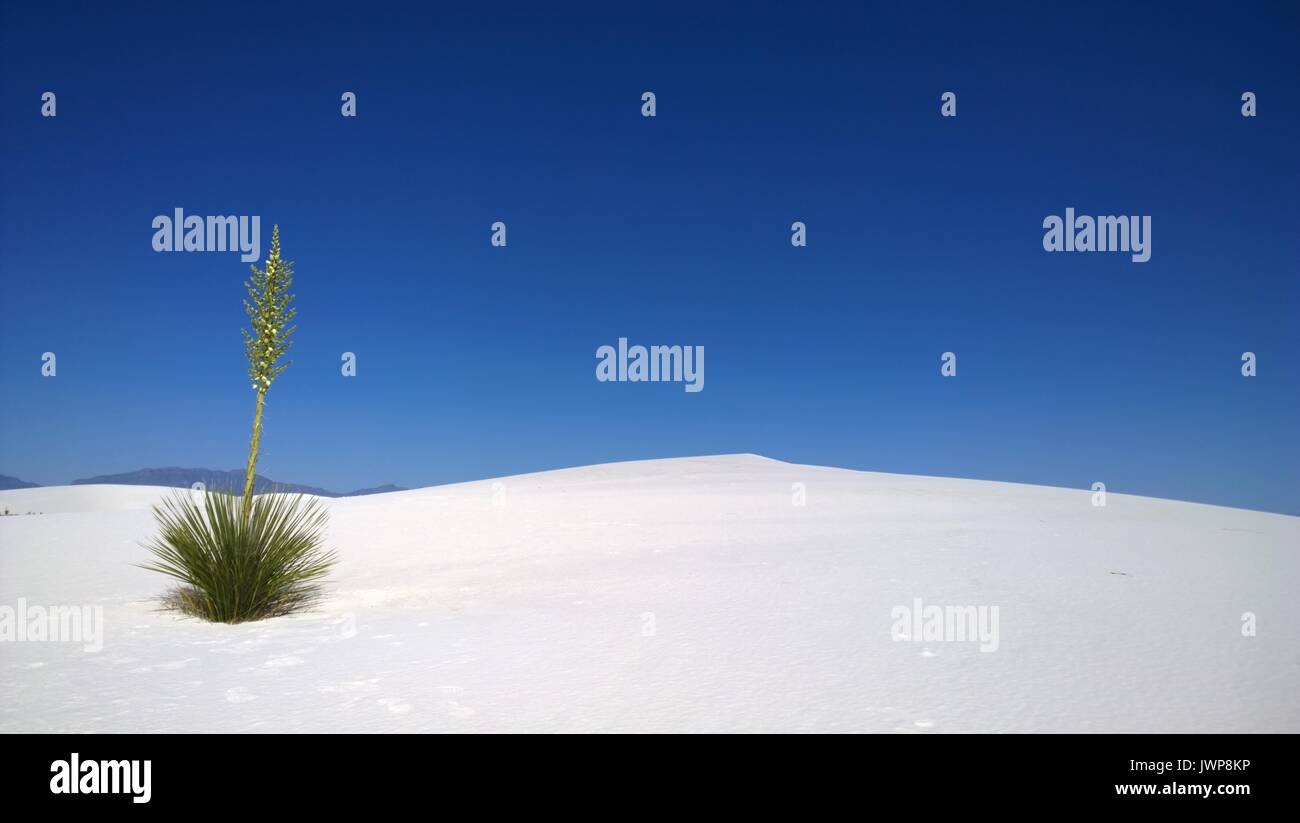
[[236, 565]]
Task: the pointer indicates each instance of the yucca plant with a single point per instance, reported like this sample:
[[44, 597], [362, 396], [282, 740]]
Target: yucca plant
[[240, 561], [243, 557]]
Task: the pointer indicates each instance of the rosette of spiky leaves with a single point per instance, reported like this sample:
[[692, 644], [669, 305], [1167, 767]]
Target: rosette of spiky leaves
[[270, 313], [240, 561]]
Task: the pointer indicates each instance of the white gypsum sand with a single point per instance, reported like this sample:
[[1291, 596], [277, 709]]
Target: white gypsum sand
[[682, 595]]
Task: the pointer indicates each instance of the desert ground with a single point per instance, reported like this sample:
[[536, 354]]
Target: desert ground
[[729, 593]]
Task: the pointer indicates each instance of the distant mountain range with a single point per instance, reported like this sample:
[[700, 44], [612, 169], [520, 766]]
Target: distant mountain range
[[211, 478]]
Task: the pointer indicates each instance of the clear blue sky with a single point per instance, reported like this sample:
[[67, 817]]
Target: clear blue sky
[[924, 236]]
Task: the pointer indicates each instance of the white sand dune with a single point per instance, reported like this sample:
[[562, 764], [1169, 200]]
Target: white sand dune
[[682, 595]]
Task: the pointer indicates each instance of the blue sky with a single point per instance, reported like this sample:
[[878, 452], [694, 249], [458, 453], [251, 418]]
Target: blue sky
[[924, 236]]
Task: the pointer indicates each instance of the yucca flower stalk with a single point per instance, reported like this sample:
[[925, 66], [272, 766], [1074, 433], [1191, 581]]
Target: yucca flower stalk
[[270, 314]]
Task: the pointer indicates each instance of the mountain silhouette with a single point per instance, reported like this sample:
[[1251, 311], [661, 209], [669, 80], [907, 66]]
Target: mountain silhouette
[[216, 479]]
